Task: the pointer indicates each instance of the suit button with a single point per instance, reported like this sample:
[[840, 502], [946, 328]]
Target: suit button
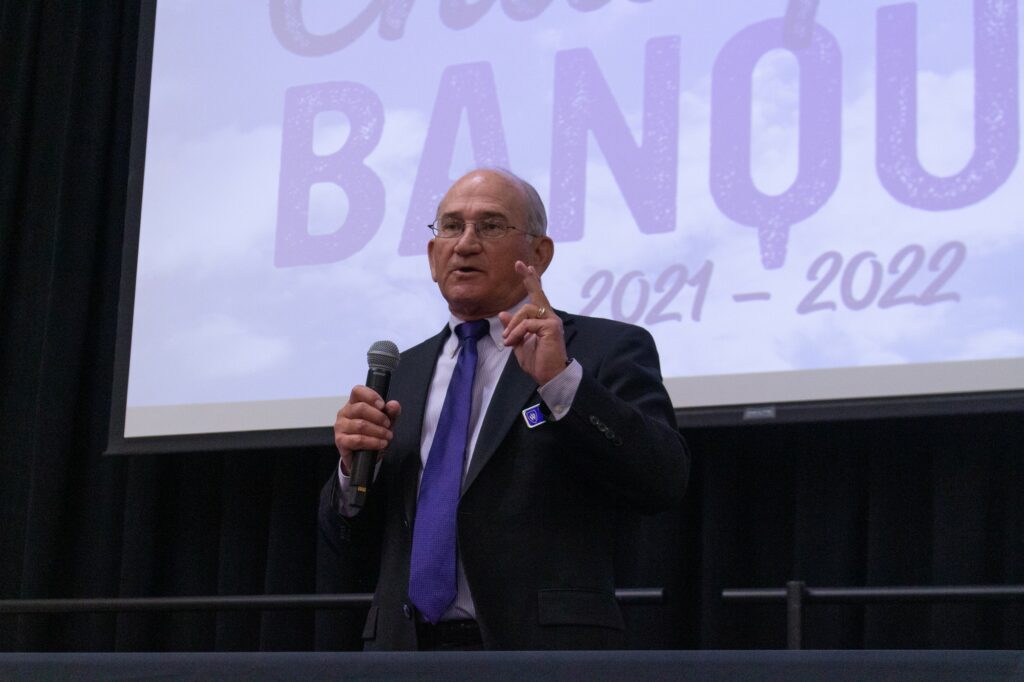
[[594, 420], [405, 523], [609, 434], [407, 611]]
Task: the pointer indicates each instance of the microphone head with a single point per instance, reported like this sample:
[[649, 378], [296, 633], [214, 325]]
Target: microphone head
[[383, 355]]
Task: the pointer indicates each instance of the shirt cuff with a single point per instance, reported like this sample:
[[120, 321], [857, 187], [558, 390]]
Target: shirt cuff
[[559, 393], [344, 484]]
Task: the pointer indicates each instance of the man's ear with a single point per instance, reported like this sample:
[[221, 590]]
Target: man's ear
[[430, 259], [542, 250]]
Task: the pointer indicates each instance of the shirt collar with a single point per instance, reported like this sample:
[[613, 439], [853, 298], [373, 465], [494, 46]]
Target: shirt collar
[[494, 331]]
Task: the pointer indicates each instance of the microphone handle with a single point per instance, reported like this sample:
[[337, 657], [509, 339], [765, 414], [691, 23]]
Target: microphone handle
[[363, 461]]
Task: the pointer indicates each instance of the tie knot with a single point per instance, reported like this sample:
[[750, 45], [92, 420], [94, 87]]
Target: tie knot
[[475, 330]]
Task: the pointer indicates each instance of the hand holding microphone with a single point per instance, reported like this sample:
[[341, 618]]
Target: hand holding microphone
[[364, 425]]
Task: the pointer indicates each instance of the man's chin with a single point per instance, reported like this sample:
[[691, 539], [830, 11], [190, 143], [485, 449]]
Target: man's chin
[[471, 300], [466, 306]]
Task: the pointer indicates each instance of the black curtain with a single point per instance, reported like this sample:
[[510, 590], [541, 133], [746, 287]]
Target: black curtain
[[915, 501], [76, 523], [880, 502]]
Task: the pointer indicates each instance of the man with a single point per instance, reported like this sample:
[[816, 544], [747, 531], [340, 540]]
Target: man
[[559, 440]]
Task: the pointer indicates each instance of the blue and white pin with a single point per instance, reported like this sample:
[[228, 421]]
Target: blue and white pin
[[533, 416]]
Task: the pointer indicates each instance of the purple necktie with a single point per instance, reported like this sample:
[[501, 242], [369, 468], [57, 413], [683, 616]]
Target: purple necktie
[[432, 583]]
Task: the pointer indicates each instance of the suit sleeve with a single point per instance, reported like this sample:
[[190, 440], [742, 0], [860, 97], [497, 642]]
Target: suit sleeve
[[624, 423], [355, 540]]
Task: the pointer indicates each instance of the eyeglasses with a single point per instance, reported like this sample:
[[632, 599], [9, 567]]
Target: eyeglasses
[[451, 228]]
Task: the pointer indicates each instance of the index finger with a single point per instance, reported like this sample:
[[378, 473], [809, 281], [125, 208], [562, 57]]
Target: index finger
[[531, 280], [364, 394]]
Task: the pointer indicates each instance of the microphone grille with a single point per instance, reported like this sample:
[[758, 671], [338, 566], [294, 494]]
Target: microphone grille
[[383, 355]]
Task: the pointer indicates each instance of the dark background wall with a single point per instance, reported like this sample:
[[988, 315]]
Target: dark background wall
[[900, 501]]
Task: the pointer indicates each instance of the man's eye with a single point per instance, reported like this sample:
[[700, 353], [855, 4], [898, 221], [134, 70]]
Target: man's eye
[[451, 227], [492, 227]]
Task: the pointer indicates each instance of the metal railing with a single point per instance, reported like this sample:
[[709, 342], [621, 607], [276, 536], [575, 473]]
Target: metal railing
[[796, 595], [627, 596]]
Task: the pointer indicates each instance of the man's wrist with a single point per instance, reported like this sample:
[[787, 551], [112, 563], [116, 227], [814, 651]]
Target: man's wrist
[[559, 393]]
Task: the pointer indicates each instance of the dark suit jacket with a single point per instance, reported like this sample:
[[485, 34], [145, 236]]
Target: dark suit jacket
[[539, 507]]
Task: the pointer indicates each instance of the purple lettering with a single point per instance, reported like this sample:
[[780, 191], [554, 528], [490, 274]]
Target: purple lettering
[[819, 137], [799, 23], [996, 115], [290, 28], [588, 5], [464, 86], [645, 173], [524, 10], [460, 14], [591, 5], [288, 25], [301, 168]]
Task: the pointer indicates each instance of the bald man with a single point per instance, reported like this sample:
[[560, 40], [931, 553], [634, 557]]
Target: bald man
[[499, 532]]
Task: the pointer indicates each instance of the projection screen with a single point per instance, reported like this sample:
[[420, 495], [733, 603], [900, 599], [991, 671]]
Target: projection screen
[[802, 201]]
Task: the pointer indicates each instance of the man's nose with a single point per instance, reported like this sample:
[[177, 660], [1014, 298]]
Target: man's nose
[[469, 240]]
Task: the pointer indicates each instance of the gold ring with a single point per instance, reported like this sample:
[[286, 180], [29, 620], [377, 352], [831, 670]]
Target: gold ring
[[540, 311]]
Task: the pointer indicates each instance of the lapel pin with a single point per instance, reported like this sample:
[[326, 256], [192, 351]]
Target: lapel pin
[[533, 416]]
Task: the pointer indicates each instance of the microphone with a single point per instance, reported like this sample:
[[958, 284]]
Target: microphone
[[383, 359]]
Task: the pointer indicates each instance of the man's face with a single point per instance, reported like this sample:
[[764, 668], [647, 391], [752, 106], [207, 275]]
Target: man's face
[[477, 276]]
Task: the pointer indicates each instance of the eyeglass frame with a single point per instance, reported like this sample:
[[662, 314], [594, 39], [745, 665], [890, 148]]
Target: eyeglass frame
[[465, 223]]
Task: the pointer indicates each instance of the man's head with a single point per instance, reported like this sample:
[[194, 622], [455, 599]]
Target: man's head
[[477, 275]]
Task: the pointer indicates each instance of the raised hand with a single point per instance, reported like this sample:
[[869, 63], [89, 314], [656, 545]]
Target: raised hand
[[535, 331]]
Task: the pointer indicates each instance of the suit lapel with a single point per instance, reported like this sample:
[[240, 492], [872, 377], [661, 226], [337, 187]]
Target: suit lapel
[[514, 388]]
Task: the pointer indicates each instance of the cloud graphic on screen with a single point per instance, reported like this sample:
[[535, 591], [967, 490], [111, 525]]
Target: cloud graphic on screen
[[994, 343], [217, 202], [220, 347]]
